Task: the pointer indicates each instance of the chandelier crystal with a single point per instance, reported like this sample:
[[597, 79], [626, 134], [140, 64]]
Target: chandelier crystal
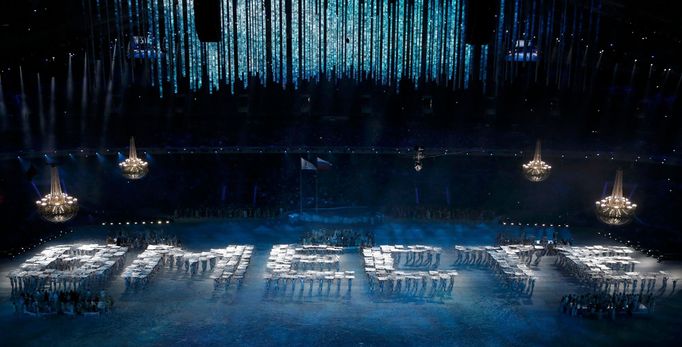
[[616, 209], [57, 207], [536, 170], [133, 168]]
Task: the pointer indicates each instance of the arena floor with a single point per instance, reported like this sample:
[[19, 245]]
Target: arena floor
[[182, 311]]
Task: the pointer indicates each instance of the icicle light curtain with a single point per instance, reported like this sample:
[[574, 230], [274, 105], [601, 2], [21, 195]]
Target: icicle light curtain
[[289, 41]]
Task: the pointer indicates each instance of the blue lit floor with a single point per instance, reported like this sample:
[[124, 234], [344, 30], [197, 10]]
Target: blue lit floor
[[177, 310]]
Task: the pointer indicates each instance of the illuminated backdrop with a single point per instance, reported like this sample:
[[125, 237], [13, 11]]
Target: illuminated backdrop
[[386, 41]]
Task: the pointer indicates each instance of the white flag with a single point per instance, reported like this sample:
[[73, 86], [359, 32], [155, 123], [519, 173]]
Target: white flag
[[306, 165]]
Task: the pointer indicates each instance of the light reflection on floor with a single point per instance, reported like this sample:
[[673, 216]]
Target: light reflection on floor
[[178, 310]]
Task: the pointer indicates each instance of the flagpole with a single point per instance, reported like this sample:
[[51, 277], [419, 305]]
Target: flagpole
[[300, 190], [315, 192]]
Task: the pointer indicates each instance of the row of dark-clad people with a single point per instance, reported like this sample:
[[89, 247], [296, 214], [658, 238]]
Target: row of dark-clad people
[[534, 235], [140, 239], [604, 305], [341, 237], [439, 213], [338, 237], [227, 212], [43, 302], [406, 212]]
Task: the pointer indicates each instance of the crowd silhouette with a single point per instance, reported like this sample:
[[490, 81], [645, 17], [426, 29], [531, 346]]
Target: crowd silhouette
[[439, 213], [227, 212], [604, 305], [43, 302], [338, 237], [140, 239]]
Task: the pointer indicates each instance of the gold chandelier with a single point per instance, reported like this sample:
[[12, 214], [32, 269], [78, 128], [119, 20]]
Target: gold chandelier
[[57, 207], [133, 168], [536, 170], [616, 209]]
